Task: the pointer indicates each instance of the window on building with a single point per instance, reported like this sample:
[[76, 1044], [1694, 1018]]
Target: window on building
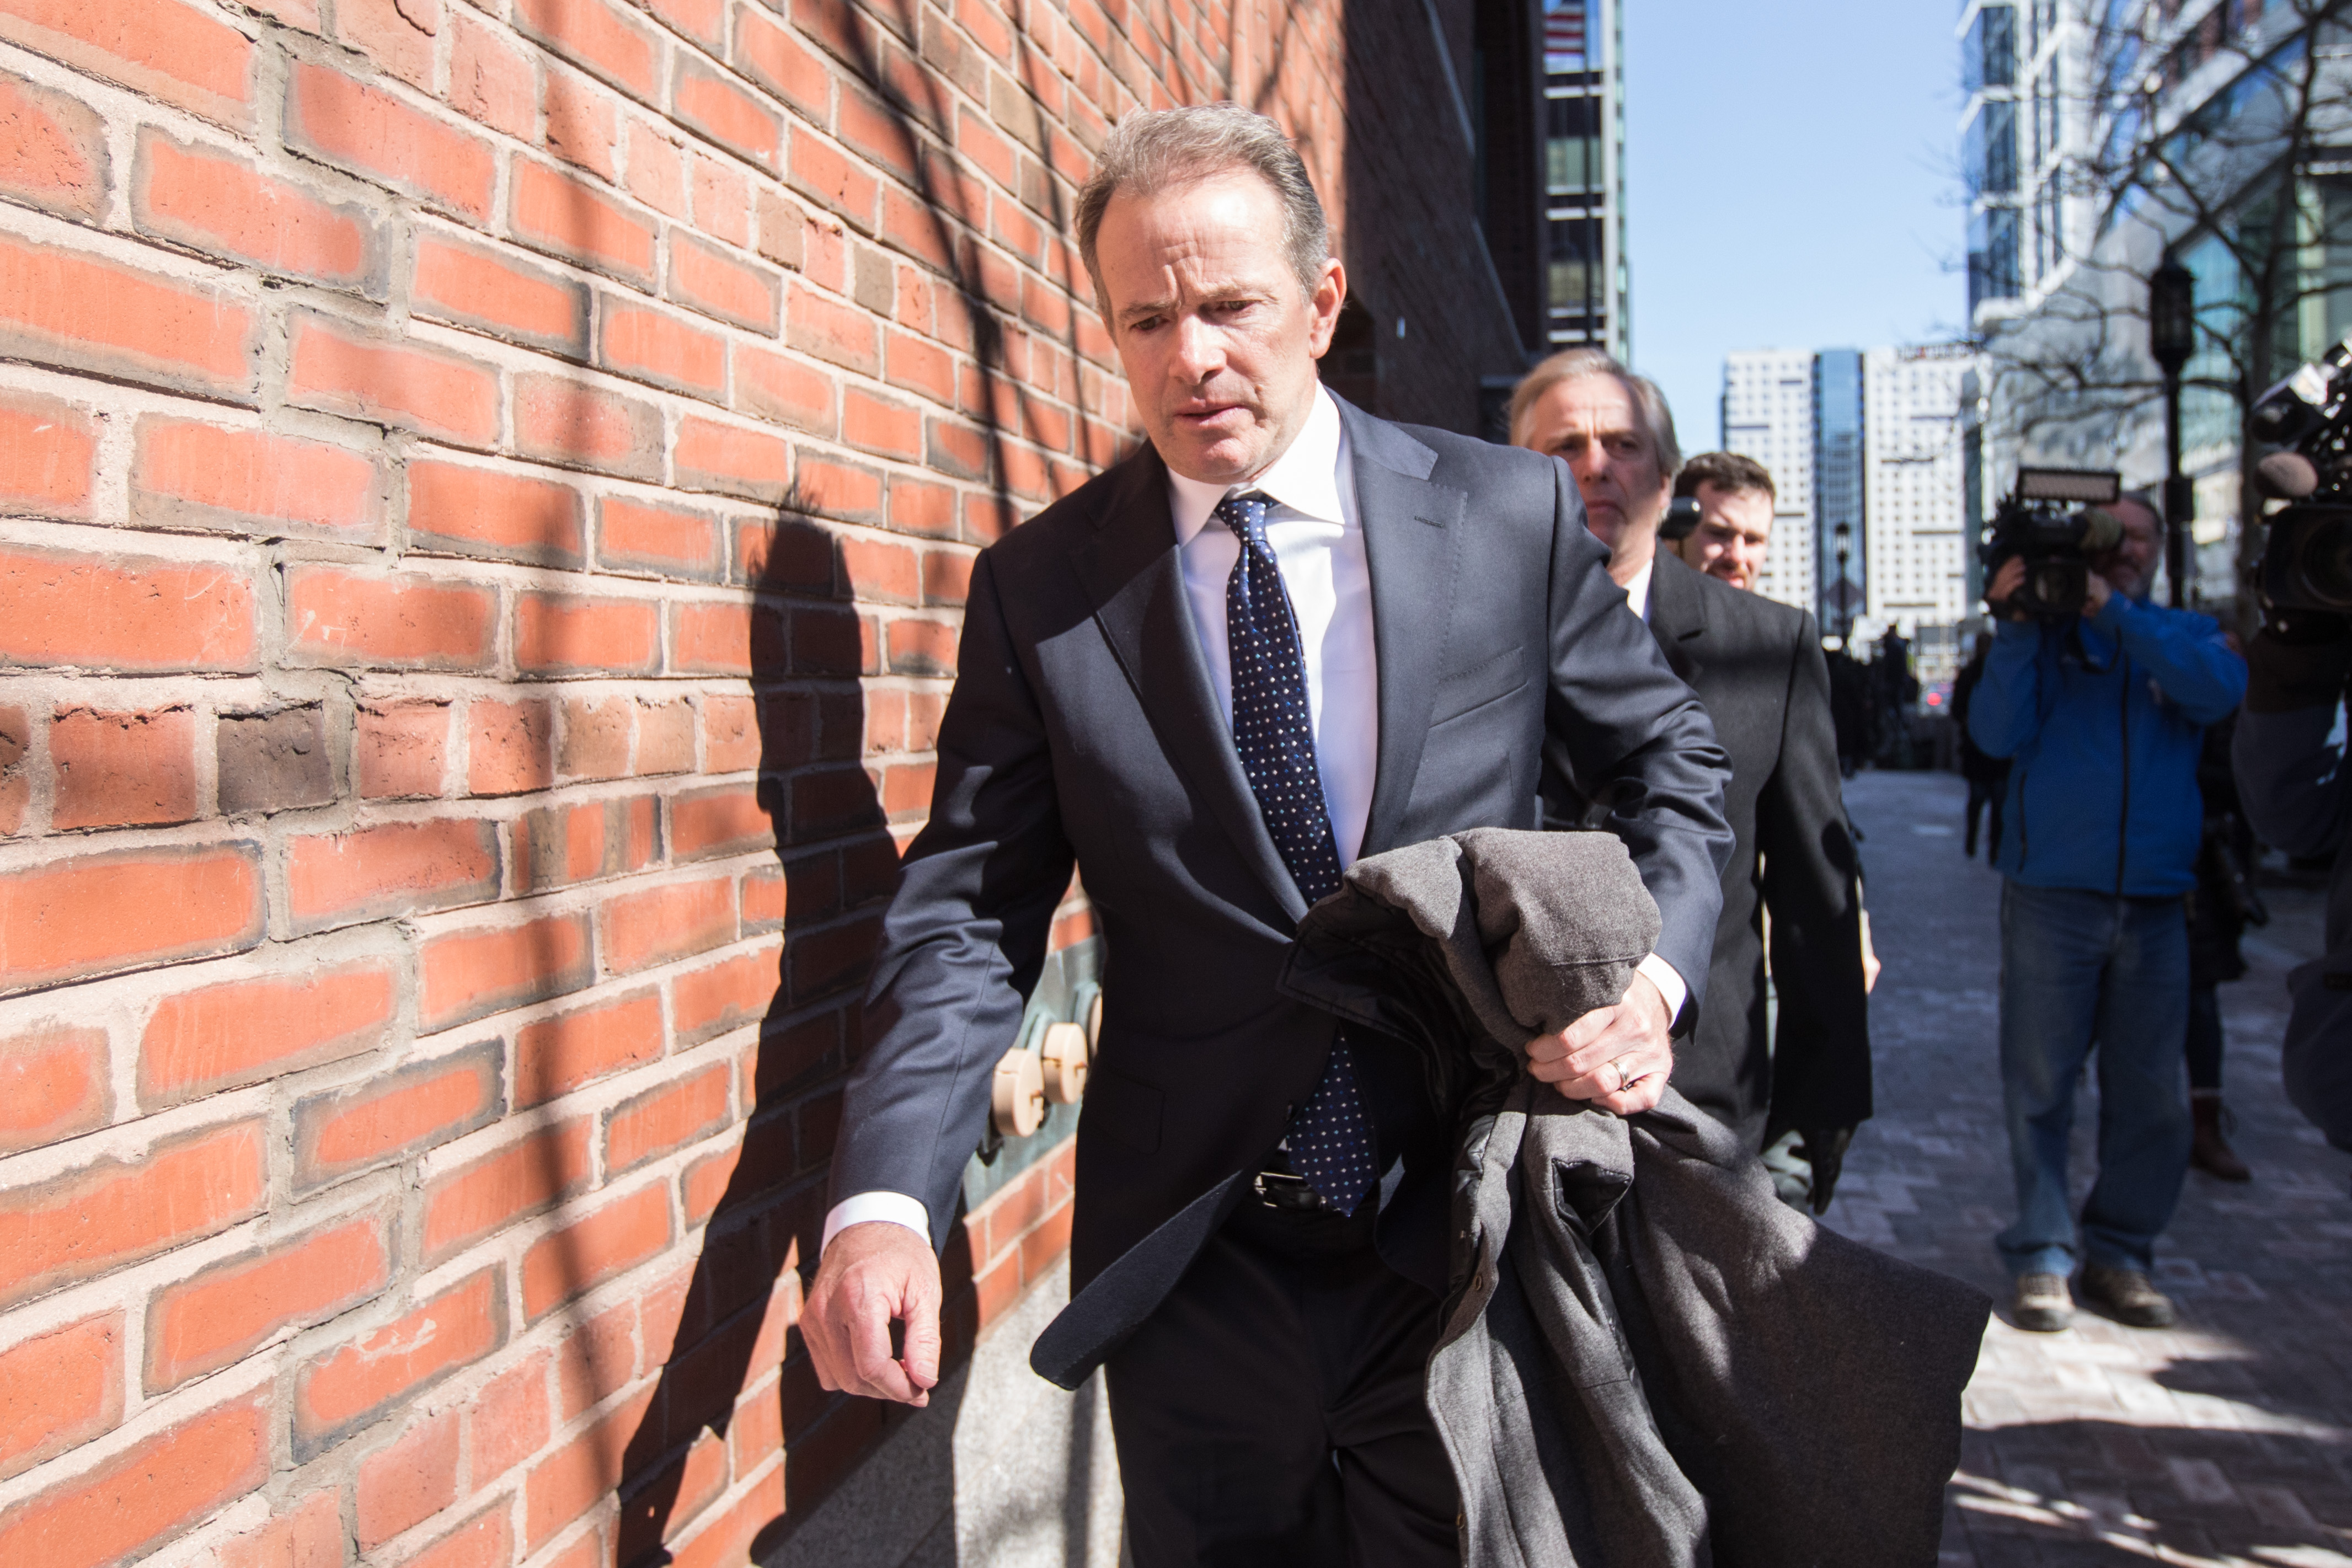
[[1992, 148], [1571, 145], [1575, 265], [1992, 256], [1988, 59]]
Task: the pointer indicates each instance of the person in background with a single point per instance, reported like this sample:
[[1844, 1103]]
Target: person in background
[[1735, 497], [1849, 706], [2104, 716], [1988, 777], [1793, 1087], [2223, 904], [2288, 756]]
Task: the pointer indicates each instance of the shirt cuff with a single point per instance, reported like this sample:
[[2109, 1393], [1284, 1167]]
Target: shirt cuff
[[1670, 986], [894, 1207]]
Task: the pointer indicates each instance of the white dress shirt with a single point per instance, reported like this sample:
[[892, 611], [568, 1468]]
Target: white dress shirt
[[1317, 540], [1637, 593]]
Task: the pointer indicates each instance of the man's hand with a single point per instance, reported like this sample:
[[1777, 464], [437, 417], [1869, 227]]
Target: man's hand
[[2004, 586], [1617, 1057], [872, 1274], [2096, 594]]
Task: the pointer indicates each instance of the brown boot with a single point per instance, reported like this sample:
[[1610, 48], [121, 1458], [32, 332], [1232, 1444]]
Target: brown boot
[[2210, 1150]]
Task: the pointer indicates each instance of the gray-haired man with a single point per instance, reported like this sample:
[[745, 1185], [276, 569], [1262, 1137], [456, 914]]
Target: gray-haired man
[[1283, 635]]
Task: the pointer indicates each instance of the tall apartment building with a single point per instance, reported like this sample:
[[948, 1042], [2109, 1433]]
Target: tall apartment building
[[1916, 496], [1767, 414], [1586, 291], [1869, 443], [1799, 414]]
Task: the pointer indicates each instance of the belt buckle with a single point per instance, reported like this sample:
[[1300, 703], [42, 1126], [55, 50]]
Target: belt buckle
[[1282, 1189]]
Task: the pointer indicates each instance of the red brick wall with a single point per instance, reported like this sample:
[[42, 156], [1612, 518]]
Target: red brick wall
[[486, 491]]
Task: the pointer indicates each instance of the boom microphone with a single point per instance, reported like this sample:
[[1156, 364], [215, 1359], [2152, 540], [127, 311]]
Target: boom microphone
[[2286, 476]]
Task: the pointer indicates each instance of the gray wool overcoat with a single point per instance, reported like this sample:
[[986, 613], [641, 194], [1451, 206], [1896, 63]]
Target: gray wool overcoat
[[1648, 1361]]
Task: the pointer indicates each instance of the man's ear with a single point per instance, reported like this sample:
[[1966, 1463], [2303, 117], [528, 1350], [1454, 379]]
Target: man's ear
[[1323, 303]]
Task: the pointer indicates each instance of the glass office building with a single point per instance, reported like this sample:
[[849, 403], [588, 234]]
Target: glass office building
[[1839, 492], [2022, 67]]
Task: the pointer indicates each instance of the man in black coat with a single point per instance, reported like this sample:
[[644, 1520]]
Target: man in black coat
[[1283, 635], [1799, 1085]]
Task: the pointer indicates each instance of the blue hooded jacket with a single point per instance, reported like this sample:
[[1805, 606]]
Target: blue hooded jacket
[[2104, 719]]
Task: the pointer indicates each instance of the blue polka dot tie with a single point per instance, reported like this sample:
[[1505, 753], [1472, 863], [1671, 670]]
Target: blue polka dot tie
[[1330, 1138]]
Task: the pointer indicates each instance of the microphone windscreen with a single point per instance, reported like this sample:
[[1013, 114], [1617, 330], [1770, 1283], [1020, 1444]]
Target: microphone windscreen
[[2102, 531], [2285, 477]]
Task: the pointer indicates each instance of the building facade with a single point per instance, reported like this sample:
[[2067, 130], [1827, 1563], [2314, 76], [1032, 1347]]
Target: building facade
[[2099, 142], [1920, 539], [1841, 489], [1587, 288], [1866, 450], [2023, 66], [1917, 483], [1767, 414], [487, 496]]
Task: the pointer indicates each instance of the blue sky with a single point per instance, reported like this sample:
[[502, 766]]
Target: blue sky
[[1790, 176]]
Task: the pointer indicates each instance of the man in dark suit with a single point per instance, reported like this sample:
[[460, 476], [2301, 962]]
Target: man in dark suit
[[1283, 635], [1796, 1087]]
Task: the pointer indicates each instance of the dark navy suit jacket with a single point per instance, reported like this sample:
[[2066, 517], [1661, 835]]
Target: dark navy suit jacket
[[1083, 728], [1758, 667]]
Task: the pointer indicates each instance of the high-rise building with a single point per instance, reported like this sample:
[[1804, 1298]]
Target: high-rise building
[[1866, 451], [1767, 414], [1840, 541], [1585, 278], [1916, 496]]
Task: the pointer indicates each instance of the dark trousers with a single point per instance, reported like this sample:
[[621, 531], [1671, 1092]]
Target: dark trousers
[[1271, 1410], [1984, 795], [2204, 1037]]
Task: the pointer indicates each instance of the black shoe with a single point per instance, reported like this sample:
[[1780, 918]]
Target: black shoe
[[2128, 1297]]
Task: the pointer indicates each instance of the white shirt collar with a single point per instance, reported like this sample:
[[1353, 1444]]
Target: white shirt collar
[[1304, 478], [1637, 593]]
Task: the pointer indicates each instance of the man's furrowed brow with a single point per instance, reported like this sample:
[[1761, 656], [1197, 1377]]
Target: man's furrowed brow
[[1141, 309]]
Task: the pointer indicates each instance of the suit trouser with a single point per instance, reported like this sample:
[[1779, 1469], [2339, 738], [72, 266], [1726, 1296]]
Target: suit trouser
[[1271, 1410]]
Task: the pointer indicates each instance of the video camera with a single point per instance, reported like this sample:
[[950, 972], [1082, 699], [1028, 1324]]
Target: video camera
[[2057, 522], [2308, 561]]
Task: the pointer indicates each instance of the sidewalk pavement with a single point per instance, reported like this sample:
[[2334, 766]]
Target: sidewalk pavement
[[2226, 1440]]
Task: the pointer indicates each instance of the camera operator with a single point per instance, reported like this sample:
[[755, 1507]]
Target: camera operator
[[2289, 759], [2102, 714]]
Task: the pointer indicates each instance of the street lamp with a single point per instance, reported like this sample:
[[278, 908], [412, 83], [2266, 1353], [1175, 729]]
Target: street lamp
[[2171, 338], [1845, 588]]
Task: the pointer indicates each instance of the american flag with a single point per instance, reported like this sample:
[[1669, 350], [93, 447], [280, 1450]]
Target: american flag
[[1564, 36]]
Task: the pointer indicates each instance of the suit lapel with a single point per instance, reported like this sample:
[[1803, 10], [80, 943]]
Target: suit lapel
[[1678, 616], [1131, 568], [1410, 545]]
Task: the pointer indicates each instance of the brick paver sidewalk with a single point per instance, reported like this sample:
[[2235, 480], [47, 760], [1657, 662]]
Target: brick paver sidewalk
[[2226, 1440]]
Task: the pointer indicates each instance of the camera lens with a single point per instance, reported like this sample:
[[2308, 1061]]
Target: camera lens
[[2324, 563]]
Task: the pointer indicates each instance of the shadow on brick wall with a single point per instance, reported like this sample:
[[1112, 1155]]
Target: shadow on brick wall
[[839, 863], [810, 658]]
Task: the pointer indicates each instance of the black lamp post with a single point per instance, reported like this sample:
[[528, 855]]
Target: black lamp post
[[1845, 588], [2171, 338]]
